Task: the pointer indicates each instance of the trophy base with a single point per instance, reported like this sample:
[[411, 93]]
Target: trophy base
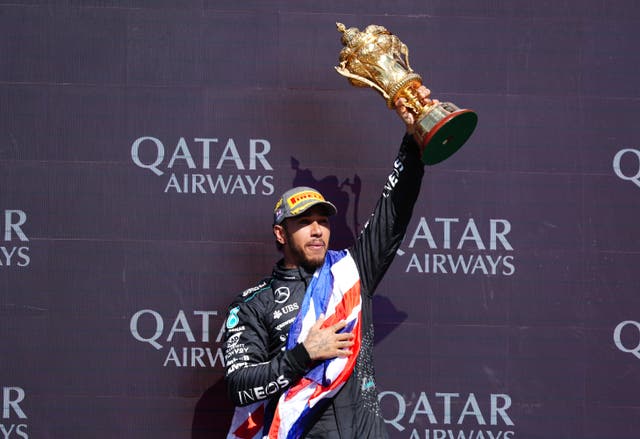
[[443, 130]]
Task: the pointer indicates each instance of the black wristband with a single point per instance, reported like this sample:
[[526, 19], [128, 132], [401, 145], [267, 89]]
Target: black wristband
[[301, 356]]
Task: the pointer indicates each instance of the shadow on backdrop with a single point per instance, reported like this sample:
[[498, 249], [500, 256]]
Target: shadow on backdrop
[[213, 412], [342, 233]]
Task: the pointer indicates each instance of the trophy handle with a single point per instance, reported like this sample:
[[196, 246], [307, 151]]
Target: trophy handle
[[344, 72], [404, 50]]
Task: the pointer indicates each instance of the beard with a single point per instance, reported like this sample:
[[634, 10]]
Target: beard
[[309, 262]]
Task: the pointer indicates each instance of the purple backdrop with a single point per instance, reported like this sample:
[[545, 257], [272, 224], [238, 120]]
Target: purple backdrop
[[143, 145]]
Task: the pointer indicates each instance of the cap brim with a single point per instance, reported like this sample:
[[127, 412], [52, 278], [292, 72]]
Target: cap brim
[[328, 208]]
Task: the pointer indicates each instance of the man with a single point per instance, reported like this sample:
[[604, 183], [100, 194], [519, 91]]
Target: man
[[299, 345]]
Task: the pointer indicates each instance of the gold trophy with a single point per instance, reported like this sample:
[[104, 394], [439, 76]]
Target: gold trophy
[[376, 58]]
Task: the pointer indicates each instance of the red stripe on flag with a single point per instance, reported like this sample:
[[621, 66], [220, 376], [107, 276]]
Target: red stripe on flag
[[249, 428], [350, 300], [293, 391]]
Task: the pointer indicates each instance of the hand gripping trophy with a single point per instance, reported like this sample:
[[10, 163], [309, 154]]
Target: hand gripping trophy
[[376, 58]]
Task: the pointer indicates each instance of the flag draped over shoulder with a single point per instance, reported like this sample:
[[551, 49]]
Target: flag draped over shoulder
[[335, 292]]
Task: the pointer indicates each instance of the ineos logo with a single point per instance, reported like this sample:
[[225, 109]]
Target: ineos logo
[[617, 338], [281, 294], [635, 178]]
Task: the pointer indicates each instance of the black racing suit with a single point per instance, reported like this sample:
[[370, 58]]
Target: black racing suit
[[257, 365]]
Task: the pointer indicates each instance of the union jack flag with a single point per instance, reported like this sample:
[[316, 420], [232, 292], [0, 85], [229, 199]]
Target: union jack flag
[[333, 292]]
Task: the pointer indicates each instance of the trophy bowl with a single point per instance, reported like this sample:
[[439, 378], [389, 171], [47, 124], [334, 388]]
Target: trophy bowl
[[378, 59]]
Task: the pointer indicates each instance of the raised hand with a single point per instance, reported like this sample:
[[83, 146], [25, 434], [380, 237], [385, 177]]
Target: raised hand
[[406, 114]]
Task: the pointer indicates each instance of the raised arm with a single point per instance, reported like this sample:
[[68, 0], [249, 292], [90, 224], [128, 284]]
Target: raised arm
[[381, 236]]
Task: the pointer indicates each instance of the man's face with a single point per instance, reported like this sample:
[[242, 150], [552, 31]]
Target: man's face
[[305, 239]]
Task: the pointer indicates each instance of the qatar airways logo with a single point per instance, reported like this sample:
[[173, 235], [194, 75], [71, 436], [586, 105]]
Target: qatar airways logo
[[448, 415], [207, 165], [185, 338], [459, 246], [14, 242], [13, 424], [626, 337], [630, 171]]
